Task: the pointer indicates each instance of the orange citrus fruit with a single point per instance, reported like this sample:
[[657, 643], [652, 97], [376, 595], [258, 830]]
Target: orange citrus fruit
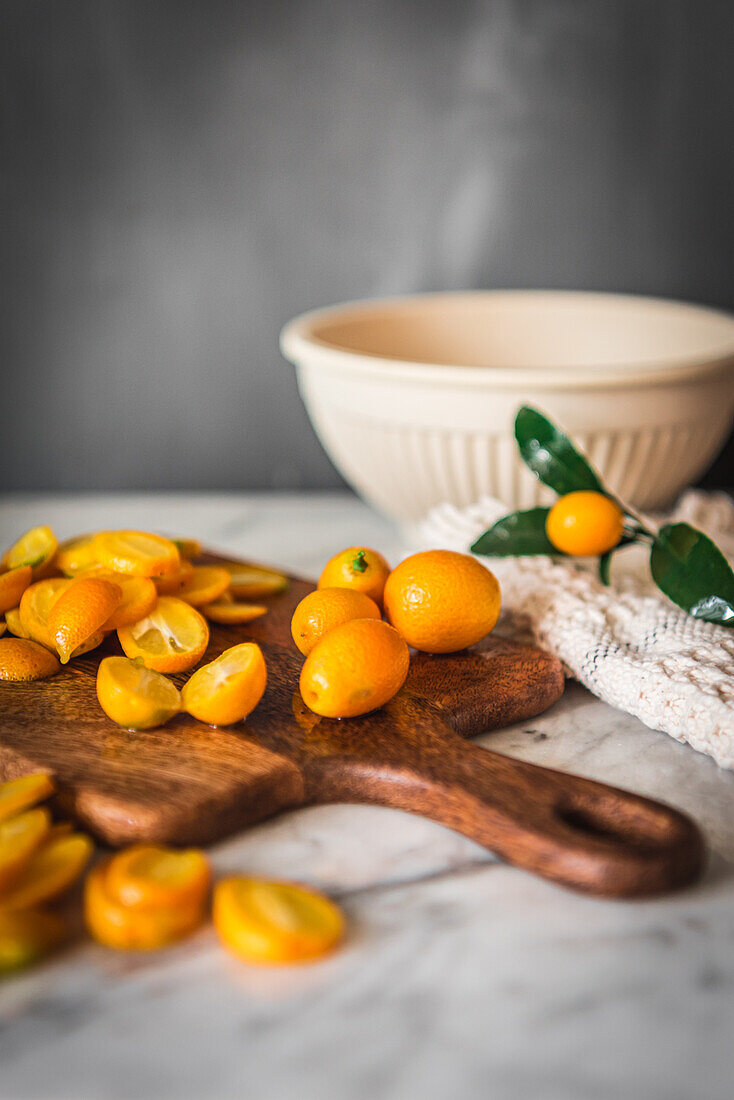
[[20, 836], [134, 927], [153, 876], [359, 568], [441, 601], [171, 583], [322, 610], [228, 689], [585, 524], [275, 922], [205, 585], [35, 548], [75, 555], [171, 638], [22, 659], [35, 606], [134, 696], [80, 612], [253, 582], [50, 871], [28, 936], [139, 596], [355, 668], [17, 795], [3, 628], [187, 548], [13, 623], [231, 613], [138, 553], [12, 586]]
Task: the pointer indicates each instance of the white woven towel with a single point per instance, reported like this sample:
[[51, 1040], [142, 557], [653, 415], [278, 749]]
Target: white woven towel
[[628, 643]]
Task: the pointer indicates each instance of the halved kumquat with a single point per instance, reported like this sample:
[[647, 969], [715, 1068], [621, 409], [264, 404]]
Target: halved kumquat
[[80, 612], [12, 586], [20, 836], [35, 606], [17, 795], [171, 638], [35, 548], [253, 582], [133, 927], [52, 870], [27, 936], [75, 555], [172, 583], [187, 548], [232, 613], [275, 922], [138, 553], [158, 877], [134, 696], [228, 689], [206, 584], [139, 596], [22, 660], [13, 623]]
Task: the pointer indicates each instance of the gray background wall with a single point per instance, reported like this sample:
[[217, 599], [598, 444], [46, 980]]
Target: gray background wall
[[180, 177]]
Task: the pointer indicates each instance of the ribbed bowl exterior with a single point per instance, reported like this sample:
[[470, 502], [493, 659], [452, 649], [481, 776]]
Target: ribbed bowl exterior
[[406, 445]]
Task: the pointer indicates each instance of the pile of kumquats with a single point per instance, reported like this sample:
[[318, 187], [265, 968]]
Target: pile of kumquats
[[61, 601]]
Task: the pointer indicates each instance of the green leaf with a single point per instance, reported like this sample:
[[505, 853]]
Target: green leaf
[[605, 562], [551, 455], [518, 533], [691, 570]]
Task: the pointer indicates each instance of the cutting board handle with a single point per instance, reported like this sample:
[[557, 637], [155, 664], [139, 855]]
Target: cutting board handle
[[582, 834]]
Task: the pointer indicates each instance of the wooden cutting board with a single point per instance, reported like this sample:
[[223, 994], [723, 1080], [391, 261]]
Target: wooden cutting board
[[188, 783]]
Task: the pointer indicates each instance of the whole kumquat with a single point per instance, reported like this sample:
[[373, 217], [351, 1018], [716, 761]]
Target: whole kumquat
[[22, 660], [441, 601], [322, 610], [359, 568], [275, 922], [585, 523], [354, 669], [134, 696]]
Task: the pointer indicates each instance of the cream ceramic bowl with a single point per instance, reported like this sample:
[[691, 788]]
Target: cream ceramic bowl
[[414, 398]]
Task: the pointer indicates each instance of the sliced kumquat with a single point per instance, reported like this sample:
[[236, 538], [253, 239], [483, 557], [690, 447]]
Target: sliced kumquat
[[80, 612], [253, 582], [17, 795], [228, 689], [275, 922], [22, 660], [206, 584], [134, 927], [172, 583], [27, 936], [157, 877], [138, 553], [20, 837], [230, 613], [13, 623], [35, 606], [188, 548], [12, 586], [35, 548], [76, 555], [51, 871], [135, 696], [172, 638], [139, 596]]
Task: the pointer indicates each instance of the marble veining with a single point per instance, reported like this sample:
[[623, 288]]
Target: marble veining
[[461, 977]]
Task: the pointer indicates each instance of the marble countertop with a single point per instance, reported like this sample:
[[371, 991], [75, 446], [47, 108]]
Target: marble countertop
[[460, 978]]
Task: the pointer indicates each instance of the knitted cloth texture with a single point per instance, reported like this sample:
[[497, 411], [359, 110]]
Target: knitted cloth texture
[[628, 643]]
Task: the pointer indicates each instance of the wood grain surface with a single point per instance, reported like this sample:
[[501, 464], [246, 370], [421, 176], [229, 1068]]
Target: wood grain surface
[[188, 783]]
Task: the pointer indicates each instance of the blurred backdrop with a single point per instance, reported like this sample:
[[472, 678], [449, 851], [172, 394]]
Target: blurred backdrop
[[181, 176]]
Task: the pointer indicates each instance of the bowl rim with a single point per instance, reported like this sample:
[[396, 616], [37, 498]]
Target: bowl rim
[[300, 346]]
